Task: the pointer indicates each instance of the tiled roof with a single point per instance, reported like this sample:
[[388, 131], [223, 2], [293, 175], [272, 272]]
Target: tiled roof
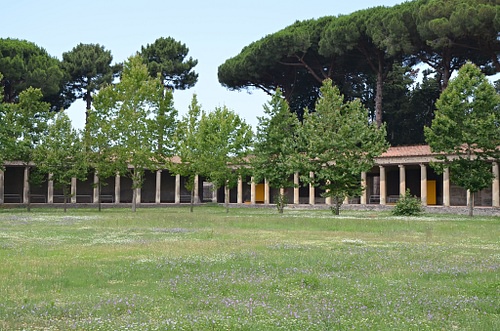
[[402, 151]]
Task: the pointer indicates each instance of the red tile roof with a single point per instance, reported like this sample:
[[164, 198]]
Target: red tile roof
[[401, 151]]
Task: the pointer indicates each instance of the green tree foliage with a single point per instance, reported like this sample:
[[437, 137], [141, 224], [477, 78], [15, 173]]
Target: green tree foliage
[[23, 64], [371, 37], [288, 60], [408, 205], [61, 154], [275, 146], [27, 122], [5, 134], [187, 148], [360, 51], [339, 144], [466, 130], [166, 57], [224, 141], [127, 114], [89, 68]]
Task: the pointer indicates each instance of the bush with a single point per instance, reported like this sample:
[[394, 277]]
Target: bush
[[408, 205]]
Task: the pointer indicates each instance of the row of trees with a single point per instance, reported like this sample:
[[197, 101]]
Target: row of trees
[[133, 126], [85, 69], [374, 55]]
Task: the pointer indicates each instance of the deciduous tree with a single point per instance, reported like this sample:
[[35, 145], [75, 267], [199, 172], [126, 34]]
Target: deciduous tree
[[28, 122], [340, 143], [224, 143], [466, 130], [275, 148], [61, 154], [131, 109]]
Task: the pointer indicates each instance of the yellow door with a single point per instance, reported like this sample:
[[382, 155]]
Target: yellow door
[[431, 192], [259, 193]]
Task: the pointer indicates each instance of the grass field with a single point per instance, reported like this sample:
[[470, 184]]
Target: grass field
[[251, 269]]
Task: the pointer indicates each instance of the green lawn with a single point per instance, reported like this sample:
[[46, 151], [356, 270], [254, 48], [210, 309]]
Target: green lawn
[[250, 269]]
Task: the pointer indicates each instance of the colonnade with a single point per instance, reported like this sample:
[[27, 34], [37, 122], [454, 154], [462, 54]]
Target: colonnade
[[382, 198]]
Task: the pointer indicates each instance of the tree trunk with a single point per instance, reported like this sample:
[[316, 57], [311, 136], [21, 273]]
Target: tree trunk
[[379, 96]]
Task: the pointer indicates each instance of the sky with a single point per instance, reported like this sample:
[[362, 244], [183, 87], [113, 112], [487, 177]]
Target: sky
[[213, 30]]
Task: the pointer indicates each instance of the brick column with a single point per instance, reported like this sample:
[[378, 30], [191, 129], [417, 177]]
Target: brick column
[[423, 184], [196, 189], [240, 190], [158, 187], [95, 190], [402, 179], [266, 191], [364, 194], [117, 188], [73, 190], [496, 186], [252, 191], [50, 190], [177, 188], [227, 194], [312, 193], [2, 186], [446, 187], [26, 184], [296, 189], [383, 186]]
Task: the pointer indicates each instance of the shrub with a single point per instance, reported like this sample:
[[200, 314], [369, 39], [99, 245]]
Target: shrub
[[408, 205]]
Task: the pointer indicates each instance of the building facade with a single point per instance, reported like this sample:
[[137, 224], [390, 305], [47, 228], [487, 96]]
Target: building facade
[[396, 170]]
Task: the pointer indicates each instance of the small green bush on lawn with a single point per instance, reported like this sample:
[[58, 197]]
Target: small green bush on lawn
[[408, 205]]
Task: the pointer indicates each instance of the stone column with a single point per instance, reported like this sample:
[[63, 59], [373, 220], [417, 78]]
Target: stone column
[[158, 187], [2, 186], [328, 200], [177, 188], [312, 197], [73, 190], [446, 187], [296, 189], [95, 190], [266, 191], [227, 194], [240, 190], [138, 196], [117, 188], [383, 186], [495, 199], [26, 184], [50, 190], [252, 191], [364, 194], [402, 179], [423, 184], [196, 189]]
